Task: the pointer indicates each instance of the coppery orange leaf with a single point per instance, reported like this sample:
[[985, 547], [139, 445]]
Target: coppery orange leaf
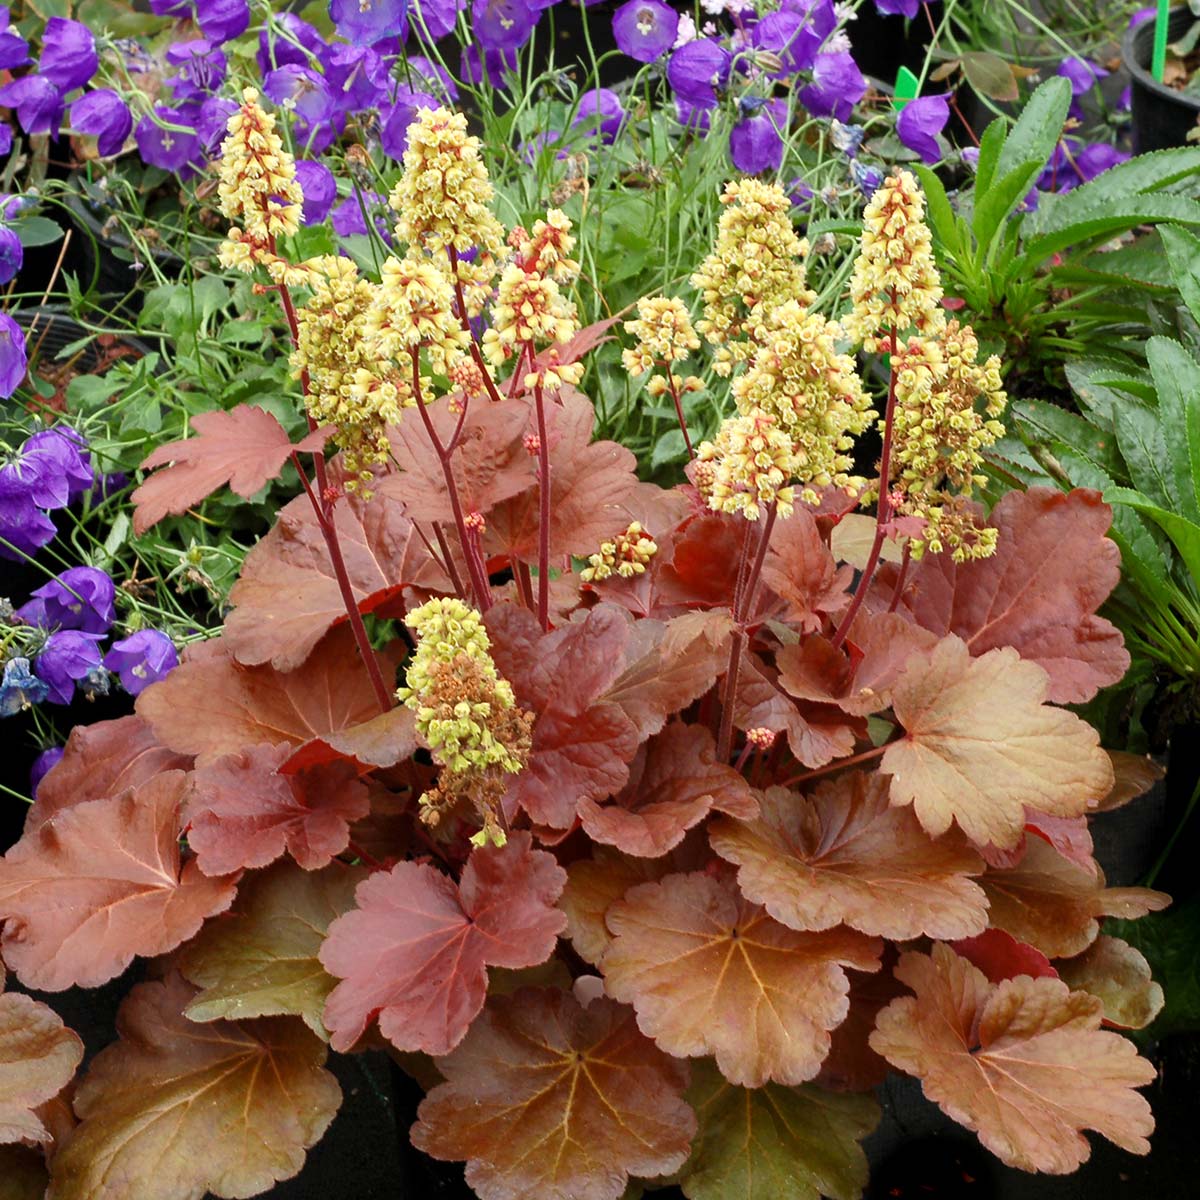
[[101, 883], [1119, 976], [980, 745], [548, 1099], [1024, 1063], [710, 973], [1053, 904], [178, 1110], [844, 855]]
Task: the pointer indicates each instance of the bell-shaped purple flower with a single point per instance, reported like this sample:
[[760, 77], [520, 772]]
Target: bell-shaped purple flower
[[105, 115], [898, 8], [393, 135], [42, 766], [645, 29], [755, 143], [6, 138], [79, 598], [24, 528], [600, 109], [202, 68], [357, 77], [869, 179], [503, 24], [698, 70], [69, 57], [12, 356], [365, 22], [211, 120], [301, 90], [67, 656], [14, 49], [837, 86], [222, 20], [919, 123], [319, 189], [12, 254], [297, 43], [791, 37], [53, 466], [1082, 74], [19, 688], [141, 659], [435, 18], [38, 102], [168, 141]]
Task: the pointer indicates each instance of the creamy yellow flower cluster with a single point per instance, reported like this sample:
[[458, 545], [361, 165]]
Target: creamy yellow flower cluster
[[257, 188], [626, 555], [465, 712]]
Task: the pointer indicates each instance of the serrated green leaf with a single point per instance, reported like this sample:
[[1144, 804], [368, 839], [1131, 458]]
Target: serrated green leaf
[[1039, 127], [1060, 428], [1183, 259], [1071, 221], [1143, 445], [1176, 375], [990, 146], [1184, 534], [998, 202]]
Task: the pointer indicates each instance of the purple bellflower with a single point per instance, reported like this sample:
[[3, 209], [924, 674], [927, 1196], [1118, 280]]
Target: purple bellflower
[[19, 688], [645, 29], [69, 57], [38, 102], [318, 188], [42, 766], [142, 659], [600, 109], [365, 22], [67, 656], [919, 123], [12, 254], [14, 49], [105, 115], [79, 598], [755, 143], [12, 356], [837, 86], [697, 70]]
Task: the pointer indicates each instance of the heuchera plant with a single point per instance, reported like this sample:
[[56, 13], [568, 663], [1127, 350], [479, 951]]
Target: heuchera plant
[[679, 833]]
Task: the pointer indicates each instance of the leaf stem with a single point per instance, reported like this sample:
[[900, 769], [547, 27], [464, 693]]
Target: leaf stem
[[837, 765]]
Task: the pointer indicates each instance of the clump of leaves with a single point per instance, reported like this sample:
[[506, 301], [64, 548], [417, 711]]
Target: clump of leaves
[[767, 831]]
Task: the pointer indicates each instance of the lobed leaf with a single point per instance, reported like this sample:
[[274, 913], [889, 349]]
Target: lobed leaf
[[844, 856], [260, 958], [980, 745], [1023, 1063], [223, 1108], [416, 948], [101, 883], [1000, 956], [243, 811], [244, 447], [711, 973], [800, 569], [1119, 976], [775, 1143], [550, 1099]]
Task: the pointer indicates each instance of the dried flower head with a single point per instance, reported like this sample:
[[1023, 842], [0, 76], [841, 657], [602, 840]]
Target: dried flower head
[[626, 555], [756, 264], [798, 377], [748, 467], [939, 437], [664, 333], [349, 386], [258, 191], [465, 711], [895, 285]]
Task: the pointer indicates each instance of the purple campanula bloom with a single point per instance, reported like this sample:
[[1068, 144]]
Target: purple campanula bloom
[[6, 138], [14, 49], [203, 68], [697, 70], [318, 188], [837, 86], [302, 91], [365, 22], [358, 78], [897, 8], [503, 24], [142, 659], [600, 109], [754, 142], [79, 598], [1075, 162], [868, 179], [393, 135], [105, 115], [68, 655], [1083, 75], [645, 29], [12, 356], [222, 20], [211, 120], [170, 149], [19, 688], [297, 43], [59, 459], [350, 216], [69, 56], [790, 36], [435, 17], [24, 528], [38, 102], [919, 123], [12, 254], [42, 766], [695, 117]]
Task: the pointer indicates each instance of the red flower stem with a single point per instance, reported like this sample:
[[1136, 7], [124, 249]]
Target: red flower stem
[[452, 445], [740, 612], [364, 857], [853, 760], [687, 441], [323, 510], [543, 603], [448, 559], [898, 591], [746, 751], [476, 353], [479, 583], [884, 509], [524, 583]]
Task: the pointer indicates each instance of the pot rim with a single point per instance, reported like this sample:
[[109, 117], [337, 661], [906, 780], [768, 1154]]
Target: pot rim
[[1139, 71]]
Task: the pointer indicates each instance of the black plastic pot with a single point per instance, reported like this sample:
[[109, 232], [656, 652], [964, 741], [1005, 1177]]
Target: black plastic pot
[[882, 45], [1162, 117]]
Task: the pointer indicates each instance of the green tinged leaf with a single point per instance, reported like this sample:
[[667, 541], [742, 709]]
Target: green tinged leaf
[[1183, 259], [1058, 427], [941, 215], [1146, 173], [1177, 377], [1074, 219], [1103, 384], [775, 1143], [1184, 534], [1144, 446], [995, 205], [990, 147], [1039, 127], [37, 231], [1171, 943]]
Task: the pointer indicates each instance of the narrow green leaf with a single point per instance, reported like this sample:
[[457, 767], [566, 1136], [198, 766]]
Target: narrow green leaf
[[1143, 444], [1183, 259], [990, 146], [1070, 222], [1039, 127], [1177, 378], [1061, 428], [1184, 534], [994, 206], [941, 215]]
